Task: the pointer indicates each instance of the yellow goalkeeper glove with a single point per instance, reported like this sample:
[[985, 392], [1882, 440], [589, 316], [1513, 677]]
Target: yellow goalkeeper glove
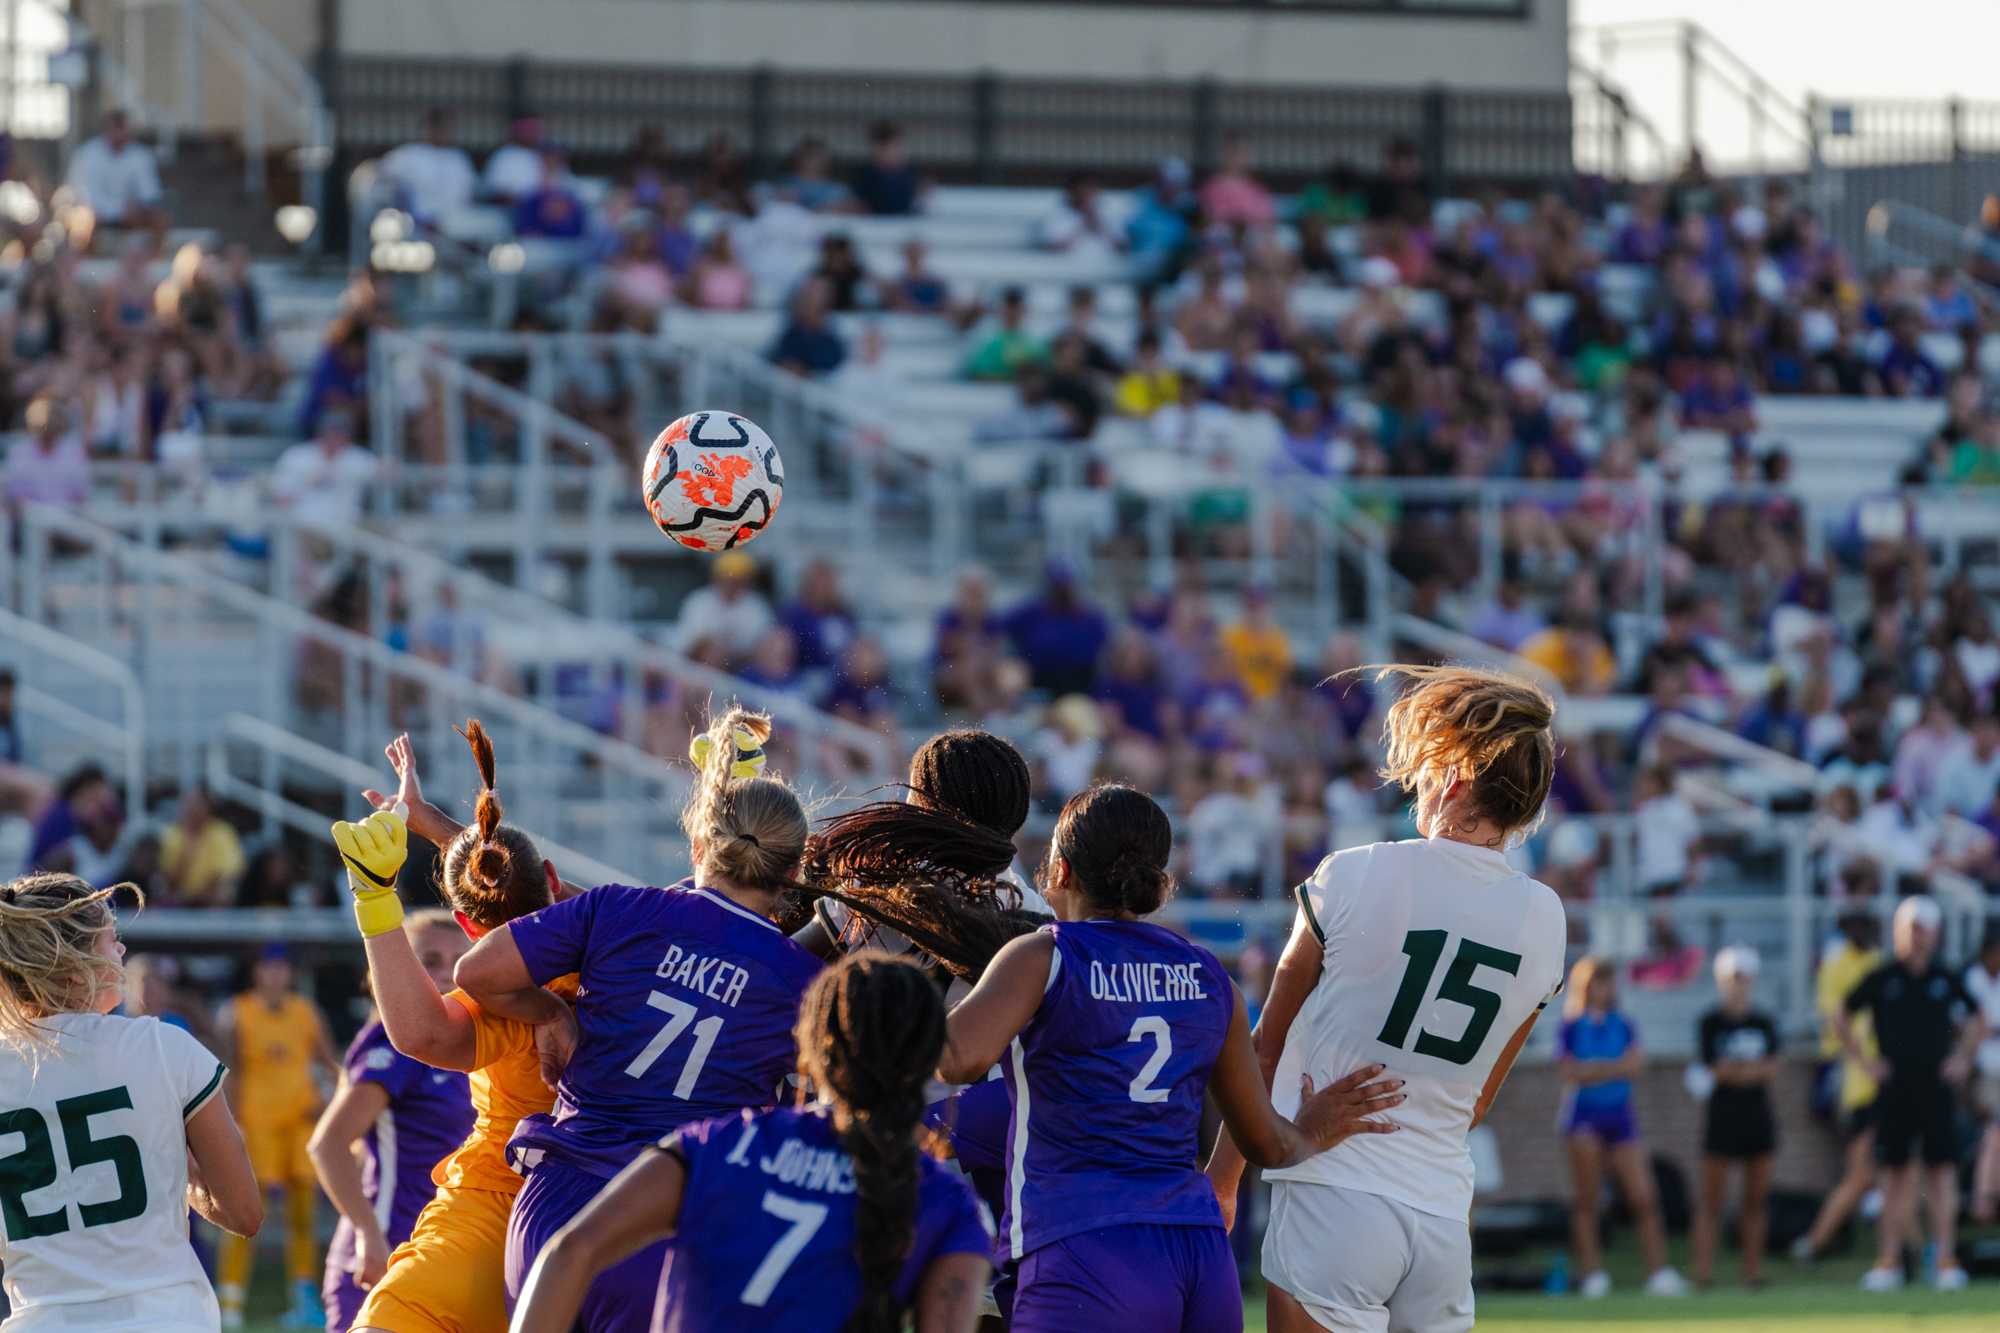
[[374, 851], [749, 754]]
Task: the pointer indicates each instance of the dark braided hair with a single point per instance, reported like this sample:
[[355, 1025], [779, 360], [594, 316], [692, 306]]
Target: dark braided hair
[[975, 775], [930, 867], [870, 1031], [1117, 842], [491, 871]]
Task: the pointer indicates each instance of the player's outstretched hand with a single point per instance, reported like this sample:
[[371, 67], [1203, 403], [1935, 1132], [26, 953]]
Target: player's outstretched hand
[[554, 1044], [374, 850], [1341, 1110], [424, 819]]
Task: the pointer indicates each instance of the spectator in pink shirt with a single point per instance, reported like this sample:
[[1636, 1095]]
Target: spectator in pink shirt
[[49, 464], [1232, 194]]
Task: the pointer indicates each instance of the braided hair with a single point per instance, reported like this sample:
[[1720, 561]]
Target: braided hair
[[491, 871], [975, 775], [931, 867], [870, 1031]]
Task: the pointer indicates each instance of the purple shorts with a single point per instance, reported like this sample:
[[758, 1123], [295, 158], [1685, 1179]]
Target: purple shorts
[[343, 1299], [1135, 1275], [975, 1119], [1610, 1125], [621, 1299]]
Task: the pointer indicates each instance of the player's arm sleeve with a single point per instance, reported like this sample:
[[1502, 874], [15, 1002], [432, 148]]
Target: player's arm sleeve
[[554, 940], [1322, 896], [493, 1038], [196, 1074], [376, 1061]]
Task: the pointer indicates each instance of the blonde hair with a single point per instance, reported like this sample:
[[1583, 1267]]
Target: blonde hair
[[751, 831], [1576, 991], [1483, 728], [49, 964], [428, 918]]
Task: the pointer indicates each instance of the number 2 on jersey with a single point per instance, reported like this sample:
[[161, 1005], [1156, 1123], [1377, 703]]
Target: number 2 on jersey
[[679, 1015], [1424, 948], [1155, 1027]]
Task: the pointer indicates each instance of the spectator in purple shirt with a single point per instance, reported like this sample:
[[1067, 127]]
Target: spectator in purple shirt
[[860, 689], [49, 465], [1059, 635], [820, 623], [1906, 370], [678, 245], [553, 210], [1720, 400], [340, 375], [1130, 685], [808, 345], [970, 641]]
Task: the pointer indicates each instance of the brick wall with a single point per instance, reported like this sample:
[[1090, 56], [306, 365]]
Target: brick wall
[[1531, 1156]]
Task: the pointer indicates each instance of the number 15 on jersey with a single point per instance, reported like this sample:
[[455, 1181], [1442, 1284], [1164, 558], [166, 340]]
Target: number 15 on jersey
[[1424, 949]]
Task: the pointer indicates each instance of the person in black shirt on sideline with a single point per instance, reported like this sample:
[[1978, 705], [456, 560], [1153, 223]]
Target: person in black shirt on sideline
[[1927, 1028], [1739, 1048]]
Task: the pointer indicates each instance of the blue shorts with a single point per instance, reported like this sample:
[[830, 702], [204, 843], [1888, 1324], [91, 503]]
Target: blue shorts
[[621, 1298], [1135, 1275], [1609, 1125]]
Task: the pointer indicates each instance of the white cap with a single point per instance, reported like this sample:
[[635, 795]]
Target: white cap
[[1526, 375], [1738, 960], [1379, 272], [1920, 910]]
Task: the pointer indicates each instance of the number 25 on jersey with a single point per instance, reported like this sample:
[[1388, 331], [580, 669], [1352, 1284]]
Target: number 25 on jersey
[[1424, 949]]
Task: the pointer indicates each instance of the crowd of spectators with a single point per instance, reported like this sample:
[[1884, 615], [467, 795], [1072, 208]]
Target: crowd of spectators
[[115, 347]]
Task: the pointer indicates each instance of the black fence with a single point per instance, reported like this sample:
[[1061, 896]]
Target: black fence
[[984, 128]]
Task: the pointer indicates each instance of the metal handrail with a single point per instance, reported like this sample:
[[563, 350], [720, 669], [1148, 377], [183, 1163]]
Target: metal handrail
[[130, 735], [352, 774], [1959, 240]]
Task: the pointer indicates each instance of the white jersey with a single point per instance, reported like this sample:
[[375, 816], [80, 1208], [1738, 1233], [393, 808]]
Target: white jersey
[[94, 1173], [1435, 953]]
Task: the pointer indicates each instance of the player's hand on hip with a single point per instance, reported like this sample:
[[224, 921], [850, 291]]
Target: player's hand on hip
[[371, 1258], [374, 850], [1341, 1110], [555, 1042]]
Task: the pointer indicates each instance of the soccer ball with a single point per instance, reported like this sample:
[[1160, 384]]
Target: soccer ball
[[712, 481]]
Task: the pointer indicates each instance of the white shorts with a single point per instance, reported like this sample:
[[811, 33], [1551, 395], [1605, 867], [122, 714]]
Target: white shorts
[[185, 1307], [1360, 1263]]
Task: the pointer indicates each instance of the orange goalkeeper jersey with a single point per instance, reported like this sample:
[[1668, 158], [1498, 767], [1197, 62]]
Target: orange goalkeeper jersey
[[506, 1082]]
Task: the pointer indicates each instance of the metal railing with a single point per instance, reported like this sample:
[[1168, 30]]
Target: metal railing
[[1904, 234], [204, 646], [273, 81], [36, 654]]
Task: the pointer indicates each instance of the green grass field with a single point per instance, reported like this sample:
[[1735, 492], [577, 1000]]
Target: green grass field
[[1821, 1299]]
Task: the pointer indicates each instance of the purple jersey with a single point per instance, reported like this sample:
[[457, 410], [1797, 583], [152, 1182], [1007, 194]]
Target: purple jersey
[[767, 1226], [1106, 1083], [428, 1116], [685, 1004]]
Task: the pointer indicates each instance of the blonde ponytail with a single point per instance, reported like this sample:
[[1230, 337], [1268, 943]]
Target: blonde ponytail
[[751, 831]]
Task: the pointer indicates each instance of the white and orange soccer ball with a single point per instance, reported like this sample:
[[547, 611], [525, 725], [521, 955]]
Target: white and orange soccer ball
[[712, 481]]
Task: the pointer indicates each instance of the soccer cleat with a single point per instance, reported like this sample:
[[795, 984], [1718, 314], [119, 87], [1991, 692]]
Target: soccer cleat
[[1953, 1278], [1802, 1250], [232, 1320], [308, 1307], [1595, 1287], [1882, 1279], [1667, 1282]]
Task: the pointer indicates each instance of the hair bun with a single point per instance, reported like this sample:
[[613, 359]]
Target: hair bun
[[1136, 882]]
